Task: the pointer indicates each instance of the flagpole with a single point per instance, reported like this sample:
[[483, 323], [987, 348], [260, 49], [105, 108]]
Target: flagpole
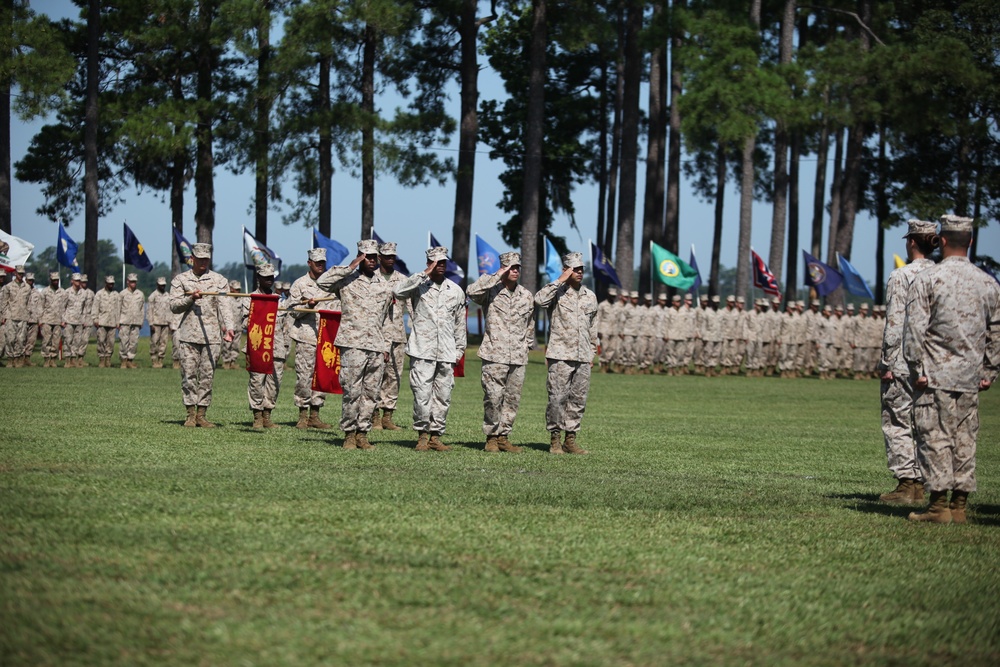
[[124, 223]]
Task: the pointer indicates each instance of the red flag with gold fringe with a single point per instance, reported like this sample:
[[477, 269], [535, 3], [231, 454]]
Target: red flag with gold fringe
[[326, 377], [260, 333]]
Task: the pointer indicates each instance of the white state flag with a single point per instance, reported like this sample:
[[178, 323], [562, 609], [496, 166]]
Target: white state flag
[[13, 251]]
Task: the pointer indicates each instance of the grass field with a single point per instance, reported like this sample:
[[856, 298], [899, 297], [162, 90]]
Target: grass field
[[716, 521]]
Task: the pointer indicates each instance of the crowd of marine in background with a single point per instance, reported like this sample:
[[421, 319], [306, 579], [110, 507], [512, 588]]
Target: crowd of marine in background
[[678, 337], [65, 320]]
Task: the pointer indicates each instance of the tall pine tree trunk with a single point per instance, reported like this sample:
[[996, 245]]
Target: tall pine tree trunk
[[652, 212], [262, 135], [791, 276], [5, 84], [533, 135], [90, 122], [204, 180], [325, 149], [819, 187], [780, 210], [671, 220], [630, 145], [616, 137], [836, 195], [368, 133], [882, 215], [721, 165], [746, 193]]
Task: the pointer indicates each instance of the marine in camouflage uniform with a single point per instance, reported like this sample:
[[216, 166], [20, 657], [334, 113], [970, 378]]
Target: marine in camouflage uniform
[[34, 315], [205, 323], [231, 350], [607, 329], [364, 302], [897, 387], [75, 319], [50, 319], [15, 295], [82, 339], [158, 313], [302, 298], [570, 352], [395, 333], [106, 313], [133, 314], [437, 341], [509, 333], [951, 343], [263, 388]]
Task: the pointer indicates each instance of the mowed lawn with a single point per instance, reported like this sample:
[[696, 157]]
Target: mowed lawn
[[716, 521]]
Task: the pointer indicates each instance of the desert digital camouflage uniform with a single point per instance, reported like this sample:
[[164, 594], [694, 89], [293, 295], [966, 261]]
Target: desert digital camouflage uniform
[[646, 329], [159, 316], [263, 388], [807, 351], [395, 334], [229, 355], [664, 317], [711, 335], [742, 331], [175, 343], [76, 320], [874, 347], [607, 328], [630, 319], [897, 394], [728, 319], [509, 332], [200, 332], [34, 315], [826, 341], [82, 340], [286, 319], [786, 340], [767, 336], [752, 324], [133, 314], [16, 294], [3, 315], [688, 323], [951, 336], [304, 327], [53, 304], [571, 349], [364, 302], [106, 314], [437, 341], [676, 337]]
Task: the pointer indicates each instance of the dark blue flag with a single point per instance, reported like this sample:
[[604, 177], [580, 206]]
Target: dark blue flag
[[134, 253], [335, 252], [602, 268], [66, 250], [400, 265], [821, 277], [487, 258], [452, 271], [694, 265], [183, 248]]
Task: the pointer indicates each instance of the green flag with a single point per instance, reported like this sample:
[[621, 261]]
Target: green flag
[[671, 269]]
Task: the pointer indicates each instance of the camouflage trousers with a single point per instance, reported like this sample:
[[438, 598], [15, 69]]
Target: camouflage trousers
[[70, 333], [262, 389], [502, 384], [946, 425], [729, 353], [431, 382], [772, 353], [628, 352], [807, 356], [389, 393], [710, 353], [609, 348], [14, 346], [51, 333], [128, 341], [789, 354], [645, 351], [198, 372], [754, 355], [675, 353], [231, 350], [567, 385], [860, 360], [30, 336], [897, 428], [361, 379], [175, 346], [158, 340], [106, 342], [305, 365]]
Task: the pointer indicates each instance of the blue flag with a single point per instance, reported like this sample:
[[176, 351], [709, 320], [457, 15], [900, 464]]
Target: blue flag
[[694, 265], [334, 251], [487, 258], [821, 277], [66, 250], [553, 264], [602, 267], [853, 282], [134, 253], [452, 271], [183, 247], [400, 265]]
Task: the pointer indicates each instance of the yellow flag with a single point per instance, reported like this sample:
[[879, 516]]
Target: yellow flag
[[900, 262]]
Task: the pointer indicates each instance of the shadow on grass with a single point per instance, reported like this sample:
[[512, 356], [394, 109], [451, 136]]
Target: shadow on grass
[[870, 504]]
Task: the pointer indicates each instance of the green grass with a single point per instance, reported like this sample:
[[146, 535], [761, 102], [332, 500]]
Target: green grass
[[716, 521]]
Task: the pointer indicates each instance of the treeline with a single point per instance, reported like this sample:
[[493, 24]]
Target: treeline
[[901, 97]]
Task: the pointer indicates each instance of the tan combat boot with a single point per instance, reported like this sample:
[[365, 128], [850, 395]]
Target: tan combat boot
[[361, 440], [350, 441], [27, 361], [423, 442], [303, 418], [81, 363], [190, 421], [901, 495], [492, 444], [387, 422], [258, 421], [314, 420], [176, 365], [376, 421], [569, 445], [506, 446], [957, 506], [937, 511], [199, 418], [555, 446], [917, 493], [266, 420], [124, 364], [436, 444]]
